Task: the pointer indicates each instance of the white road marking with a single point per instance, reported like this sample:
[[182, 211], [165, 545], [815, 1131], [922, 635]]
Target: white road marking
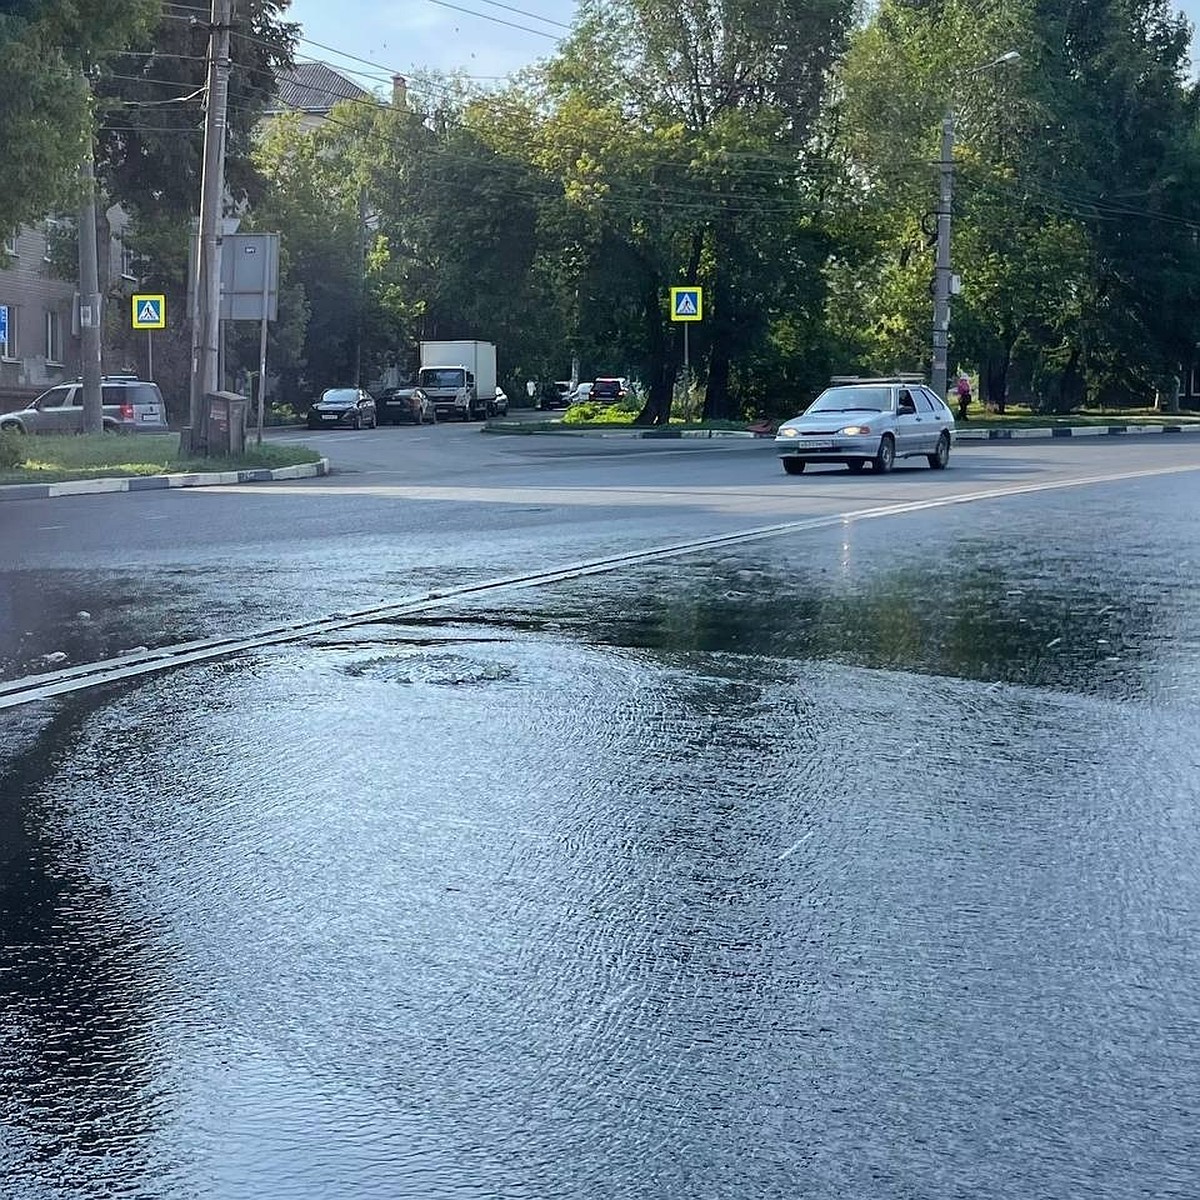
[[47, 528], [794, 847], [74, 679]]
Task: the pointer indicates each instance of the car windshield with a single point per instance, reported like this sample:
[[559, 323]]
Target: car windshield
[[853, 399], [340, 396], [452, 378], [606, 387]]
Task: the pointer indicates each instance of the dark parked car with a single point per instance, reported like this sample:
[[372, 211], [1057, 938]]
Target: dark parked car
[[608, 391], [405, 405], [130, 404], [559, 397], [343, 406]]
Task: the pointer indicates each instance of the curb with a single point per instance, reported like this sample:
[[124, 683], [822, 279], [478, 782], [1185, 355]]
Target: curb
[[619, 431], [151, 483], [1066, 431]]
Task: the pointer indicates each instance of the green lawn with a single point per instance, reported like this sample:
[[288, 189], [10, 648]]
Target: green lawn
[[100, 456]]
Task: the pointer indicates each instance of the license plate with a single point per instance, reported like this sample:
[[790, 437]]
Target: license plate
[[815, 444], [328, 416]]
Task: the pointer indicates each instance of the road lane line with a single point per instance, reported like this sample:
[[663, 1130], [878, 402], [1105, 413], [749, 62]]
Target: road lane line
[[794, 847], [74, 679]]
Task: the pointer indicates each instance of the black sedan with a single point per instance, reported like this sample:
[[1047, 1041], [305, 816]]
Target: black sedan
[[409, 405], [341, 407]]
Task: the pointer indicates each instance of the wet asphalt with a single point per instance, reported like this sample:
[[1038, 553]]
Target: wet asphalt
[[853, 861]]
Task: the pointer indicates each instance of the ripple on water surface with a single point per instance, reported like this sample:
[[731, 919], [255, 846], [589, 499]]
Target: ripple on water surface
[[718, 880]]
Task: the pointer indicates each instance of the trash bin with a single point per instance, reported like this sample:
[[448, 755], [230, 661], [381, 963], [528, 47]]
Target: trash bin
[[225, 424]]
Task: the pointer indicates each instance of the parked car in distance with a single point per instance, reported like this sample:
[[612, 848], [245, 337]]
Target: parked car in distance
[[404, 405], [607, 390], [559, 397], [582, 394], [130, 405], [349, 406], [874, 421], [500, 404]]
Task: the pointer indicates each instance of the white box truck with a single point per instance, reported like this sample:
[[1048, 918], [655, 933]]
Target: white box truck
[[459, 378]]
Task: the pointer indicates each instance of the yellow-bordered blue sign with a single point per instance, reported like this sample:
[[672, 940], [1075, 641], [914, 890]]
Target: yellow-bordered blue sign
[[149, 312], [687, 304]]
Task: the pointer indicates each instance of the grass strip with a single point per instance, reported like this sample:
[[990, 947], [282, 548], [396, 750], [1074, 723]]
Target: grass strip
[[50, 459]]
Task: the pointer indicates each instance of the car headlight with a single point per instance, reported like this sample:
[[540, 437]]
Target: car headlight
[[856, 430], [789, 432]]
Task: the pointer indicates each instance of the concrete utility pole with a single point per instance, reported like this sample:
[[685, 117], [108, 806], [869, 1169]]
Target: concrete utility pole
[[89, 297], [942, 272], [941, 277], [206, 317]]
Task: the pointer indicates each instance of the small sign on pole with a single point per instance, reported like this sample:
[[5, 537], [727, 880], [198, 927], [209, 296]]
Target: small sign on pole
[[687, 304], [149, 311]]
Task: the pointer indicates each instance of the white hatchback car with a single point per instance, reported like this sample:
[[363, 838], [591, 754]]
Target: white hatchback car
[[872, 421]]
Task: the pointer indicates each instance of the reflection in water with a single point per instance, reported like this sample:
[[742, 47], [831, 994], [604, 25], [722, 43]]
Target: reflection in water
[[809, 872]]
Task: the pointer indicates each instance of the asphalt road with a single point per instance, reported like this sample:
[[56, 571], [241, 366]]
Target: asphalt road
[[412, 508], [851, 860]]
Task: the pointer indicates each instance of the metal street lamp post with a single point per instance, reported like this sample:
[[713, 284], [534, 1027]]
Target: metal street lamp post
[[942, 274]]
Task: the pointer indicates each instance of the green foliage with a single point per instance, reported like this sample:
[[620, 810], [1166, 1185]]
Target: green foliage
[[45, 111], [599, 414], [12, 449]]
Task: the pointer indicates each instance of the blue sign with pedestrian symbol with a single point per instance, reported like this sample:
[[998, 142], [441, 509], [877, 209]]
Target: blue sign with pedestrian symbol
[[4, 328], [687, 303], [149, 312]]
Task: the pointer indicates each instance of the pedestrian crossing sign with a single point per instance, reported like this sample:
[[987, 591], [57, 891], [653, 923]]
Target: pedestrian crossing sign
[[687, 303], [149, 312]]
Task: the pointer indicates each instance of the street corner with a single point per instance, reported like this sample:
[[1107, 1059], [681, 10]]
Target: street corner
[[148, 483]]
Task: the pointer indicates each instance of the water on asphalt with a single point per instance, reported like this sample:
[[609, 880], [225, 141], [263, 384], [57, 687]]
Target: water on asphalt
[[853, 864]]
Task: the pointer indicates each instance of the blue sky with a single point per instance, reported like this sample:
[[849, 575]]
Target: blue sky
[[408, 35]]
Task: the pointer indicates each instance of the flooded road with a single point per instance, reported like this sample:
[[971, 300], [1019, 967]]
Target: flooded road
[[855, 863]]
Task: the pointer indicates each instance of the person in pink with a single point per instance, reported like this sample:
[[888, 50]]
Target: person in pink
[[963, 390]]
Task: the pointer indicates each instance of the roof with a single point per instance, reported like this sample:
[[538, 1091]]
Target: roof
[[313, 87]]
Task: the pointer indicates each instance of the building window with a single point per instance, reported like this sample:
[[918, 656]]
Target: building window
[[10, 242], [8, 331], [53, 337], [1194, 389], [128, 263]]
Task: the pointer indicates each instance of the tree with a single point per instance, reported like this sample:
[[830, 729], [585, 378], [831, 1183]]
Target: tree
[[48, 51]]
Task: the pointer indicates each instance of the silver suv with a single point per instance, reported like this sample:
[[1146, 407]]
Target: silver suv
[[130, 405]]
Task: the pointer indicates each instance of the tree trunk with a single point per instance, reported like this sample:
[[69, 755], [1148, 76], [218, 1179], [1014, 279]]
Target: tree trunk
[[661, 361], [994, 383]]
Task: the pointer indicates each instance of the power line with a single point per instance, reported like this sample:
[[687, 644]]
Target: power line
[[497, 20]]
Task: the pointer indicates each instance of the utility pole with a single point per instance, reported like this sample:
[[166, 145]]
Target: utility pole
[[89, 296], [360, 249], [941, 277], [206, 316]]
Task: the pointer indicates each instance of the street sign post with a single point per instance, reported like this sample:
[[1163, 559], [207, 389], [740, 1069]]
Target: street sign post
[[149, 313], [687, 305]]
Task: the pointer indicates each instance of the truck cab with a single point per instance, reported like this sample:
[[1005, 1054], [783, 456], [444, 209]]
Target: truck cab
[[451, 391]]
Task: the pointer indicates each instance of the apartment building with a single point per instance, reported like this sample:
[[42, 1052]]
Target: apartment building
[[38, 343]]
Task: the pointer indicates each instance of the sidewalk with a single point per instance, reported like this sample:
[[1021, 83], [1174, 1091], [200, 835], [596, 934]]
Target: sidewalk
[[149, 483]]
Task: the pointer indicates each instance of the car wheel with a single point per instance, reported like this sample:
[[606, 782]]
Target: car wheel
[[856, 465], [941, 456], [793, 466], [887, 454], [11, 427]]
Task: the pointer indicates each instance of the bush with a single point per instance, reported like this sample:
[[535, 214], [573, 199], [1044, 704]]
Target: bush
[[599, 414], [12, 450]]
